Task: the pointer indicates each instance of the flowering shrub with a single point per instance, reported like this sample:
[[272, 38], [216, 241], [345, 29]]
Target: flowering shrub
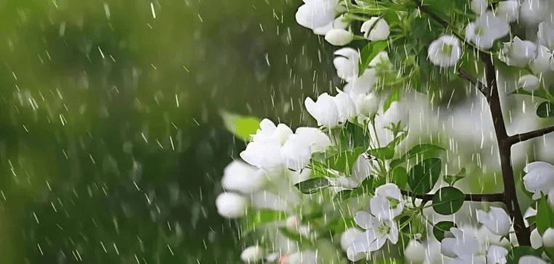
[[365, 184]]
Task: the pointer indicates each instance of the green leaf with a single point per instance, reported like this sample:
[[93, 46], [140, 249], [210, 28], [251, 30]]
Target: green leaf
[[400, 177], [452, 179], [312, 185], [370, 51], [423, 176], [344, 160], [448, 200], [340, 225], [254, 219], [441, 227], [384, 153], [545, 110], [241, 126], [394, 97], [545, 215], [291, 235], [353, 136], [364, 188], [419, 151], [516, 253], [538, 93]]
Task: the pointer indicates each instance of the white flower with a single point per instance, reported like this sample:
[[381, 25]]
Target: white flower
[[241, 177], [551, 197], [459, 244], [508, 10], [338, 23], [376, 234], [339, 37], [367, 105], [387, 202], [479, 6], [379, 31], [324, 110], [539, 178], [362, 168], [528, 82], [345, 106], [486, 29], [414, 252], [518, 52], [496, 220], [296, 153], [315, 138], [315, 14], [252, 254], [363, 84], [543, 62], [531, 260], [536, 239], [265, 155], [346, 62], [546, 34], [348, 237], [548, 238], [394, 115], [445, 51], [269, 132], [231, 205], [497, 255], [534, 11]]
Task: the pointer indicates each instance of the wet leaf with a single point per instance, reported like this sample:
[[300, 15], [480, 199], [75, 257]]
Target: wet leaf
[[441, 227], [448, 200], [423, 176], [312, 185]]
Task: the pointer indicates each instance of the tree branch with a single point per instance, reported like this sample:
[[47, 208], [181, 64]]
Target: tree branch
[[467, 76], [502, 138], [529, 135], [505, 151], [474, 197]]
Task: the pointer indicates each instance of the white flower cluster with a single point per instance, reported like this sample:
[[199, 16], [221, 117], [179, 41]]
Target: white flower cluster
[[276, 153], [379, 224], [322, 17]]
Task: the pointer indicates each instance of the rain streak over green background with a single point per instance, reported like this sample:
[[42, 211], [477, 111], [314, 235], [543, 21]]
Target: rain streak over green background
[[111, 140]]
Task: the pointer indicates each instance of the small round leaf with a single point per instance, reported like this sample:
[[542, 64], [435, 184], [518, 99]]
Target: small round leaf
[[440, 228], [448, 200]]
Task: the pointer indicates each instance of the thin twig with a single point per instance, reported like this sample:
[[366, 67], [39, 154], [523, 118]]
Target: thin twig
[[530, 135], [474, 197]]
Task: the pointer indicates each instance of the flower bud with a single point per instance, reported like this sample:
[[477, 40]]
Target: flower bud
[[414, 252], [252, 254], [231, 205], [528, 82], [339, 37]]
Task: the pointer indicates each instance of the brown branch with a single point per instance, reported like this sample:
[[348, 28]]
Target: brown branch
[[504, 141], [504, 149], [474, 197], [467, 76], [530, 135]]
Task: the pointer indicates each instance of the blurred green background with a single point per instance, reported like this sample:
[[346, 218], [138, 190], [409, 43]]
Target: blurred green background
[[111, 141]]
